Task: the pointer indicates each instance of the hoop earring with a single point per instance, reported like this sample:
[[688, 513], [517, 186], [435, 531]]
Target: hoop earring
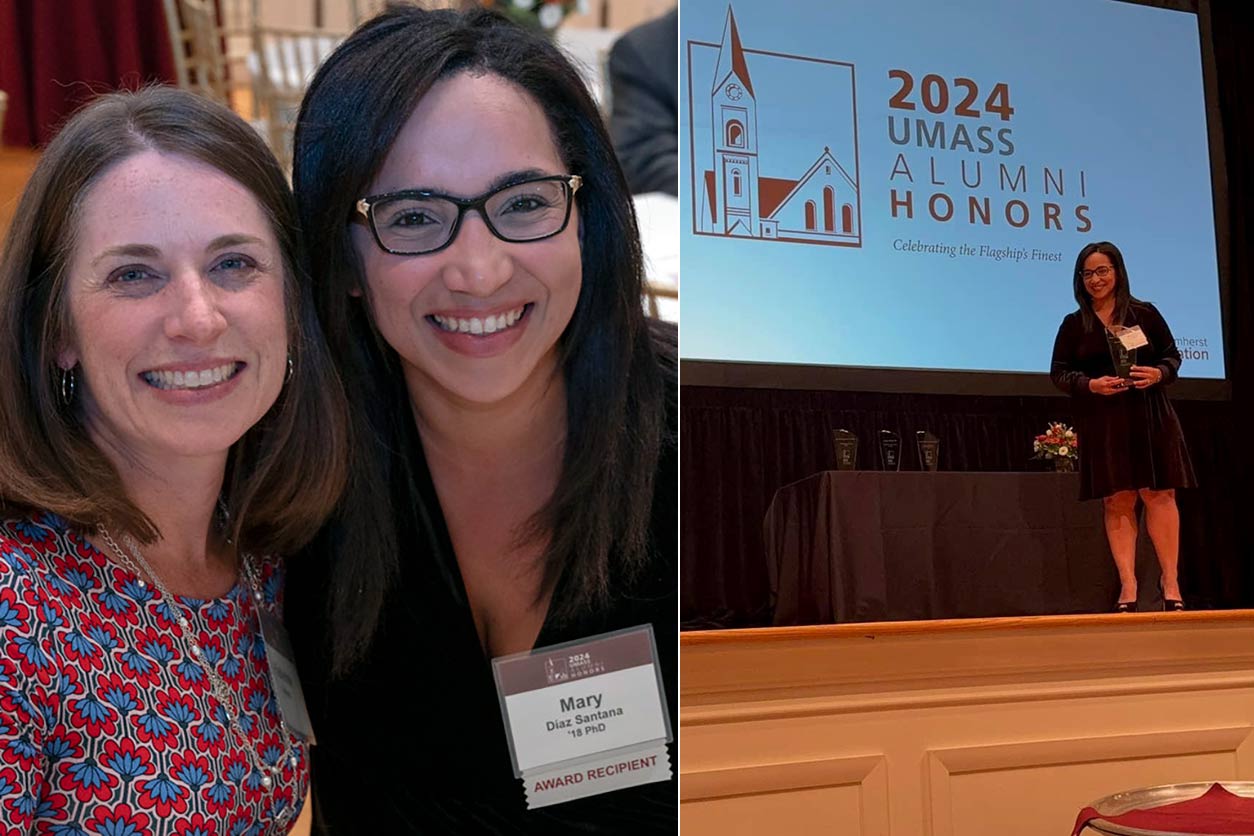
[[291, 370], [68, 385]]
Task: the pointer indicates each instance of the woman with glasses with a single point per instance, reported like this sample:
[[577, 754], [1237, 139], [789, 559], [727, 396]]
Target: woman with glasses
[[170, 421], [1115, 355], [479, 274]]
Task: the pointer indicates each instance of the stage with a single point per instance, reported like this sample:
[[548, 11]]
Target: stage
[[957, 728]]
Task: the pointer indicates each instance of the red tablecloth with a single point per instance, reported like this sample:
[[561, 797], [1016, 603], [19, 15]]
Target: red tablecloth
[[54, 56], [1217, 813]]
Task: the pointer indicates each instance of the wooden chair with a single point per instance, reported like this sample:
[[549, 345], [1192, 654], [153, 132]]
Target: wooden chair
[[281, 64], [199, 49], [653, 291], [223, 51]]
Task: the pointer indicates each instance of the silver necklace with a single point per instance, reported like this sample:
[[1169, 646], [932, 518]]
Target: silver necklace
[[129, 560]]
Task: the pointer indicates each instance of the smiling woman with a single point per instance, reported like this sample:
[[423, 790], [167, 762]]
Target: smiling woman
[[1115, 355], [514, 489], [191, 317], [163, 380], [469, 133]]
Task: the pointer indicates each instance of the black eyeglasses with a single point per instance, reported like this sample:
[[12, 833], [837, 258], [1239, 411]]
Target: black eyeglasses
[[1101, 272], [416, 222]]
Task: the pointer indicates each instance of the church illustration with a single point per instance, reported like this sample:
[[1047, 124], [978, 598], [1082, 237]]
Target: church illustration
[[734, 198]]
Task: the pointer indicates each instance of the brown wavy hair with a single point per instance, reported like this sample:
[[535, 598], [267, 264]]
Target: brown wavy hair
[[285, 475]]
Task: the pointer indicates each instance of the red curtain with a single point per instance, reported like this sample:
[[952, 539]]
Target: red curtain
[[54, 57]]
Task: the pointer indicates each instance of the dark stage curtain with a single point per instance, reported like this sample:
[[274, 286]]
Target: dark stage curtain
[[55, 55], [738, 446]]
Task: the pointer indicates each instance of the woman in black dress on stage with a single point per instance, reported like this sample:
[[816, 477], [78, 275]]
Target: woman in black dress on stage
[[1133, 445]]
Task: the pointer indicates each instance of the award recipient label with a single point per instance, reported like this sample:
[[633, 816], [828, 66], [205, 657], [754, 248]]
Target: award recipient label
[[626, 768], [583, 702]]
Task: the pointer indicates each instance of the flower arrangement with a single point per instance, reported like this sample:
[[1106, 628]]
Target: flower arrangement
[[545, 14], [1058, 443]]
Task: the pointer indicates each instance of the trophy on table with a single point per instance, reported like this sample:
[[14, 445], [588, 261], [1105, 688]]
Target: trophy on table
[[890, 450], [929, 449], [846, 449]]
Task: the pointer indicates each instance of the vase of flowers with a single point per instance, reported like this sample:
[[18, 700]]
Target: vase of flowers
[[544, 15], [1058, 444]]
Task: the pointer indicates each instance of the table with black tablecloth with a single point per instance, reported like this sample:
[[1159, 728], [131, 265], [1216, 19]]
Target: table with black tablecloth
[[886, 546]]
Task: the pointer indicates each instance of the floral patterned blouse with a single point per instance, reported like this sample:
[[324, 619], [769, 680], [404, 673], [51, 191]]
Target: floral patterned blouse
[[108, 724]]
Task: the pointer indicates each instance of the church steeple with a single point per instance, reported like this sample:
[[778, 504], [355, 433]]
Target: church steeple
[[731, 57]]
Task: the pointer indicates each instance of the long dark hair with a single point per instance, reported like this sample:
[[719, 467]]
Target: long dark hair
[[617, 373], [1123, 293], [284, 476]]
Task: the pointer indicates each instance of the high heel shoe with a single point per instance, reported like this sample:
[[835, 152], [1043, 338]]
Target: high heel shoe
[[1125, 606], [1170, 604]]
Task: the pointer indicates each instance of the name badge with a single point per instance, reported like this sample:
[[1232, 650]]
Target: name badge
[[1132, 337], [585, 717], [284, 676]]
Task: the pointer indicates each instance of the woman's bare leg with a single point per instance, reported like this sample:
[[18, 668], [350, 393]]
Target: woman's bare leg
[[1119, 511], [1162, 520]]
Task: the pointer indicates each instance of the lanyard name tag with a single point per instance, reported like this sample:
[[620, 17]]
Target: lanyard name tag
[[585, 717], [284, 676], [1132, 337]]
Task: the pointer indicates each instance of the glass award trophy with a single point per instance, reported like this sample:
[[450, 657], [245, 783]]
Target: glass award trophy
[[890, 450], [929, 449], [846, 449], [1124, 358]]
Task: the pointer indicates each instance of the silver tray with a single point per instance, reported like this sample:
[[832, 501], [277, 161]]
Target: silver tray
[[1148, 798]]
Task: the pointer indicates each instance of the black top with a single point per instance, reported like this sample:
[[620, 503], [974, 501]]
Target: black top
[[413, 740], [644, 117], [1131, 439]]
